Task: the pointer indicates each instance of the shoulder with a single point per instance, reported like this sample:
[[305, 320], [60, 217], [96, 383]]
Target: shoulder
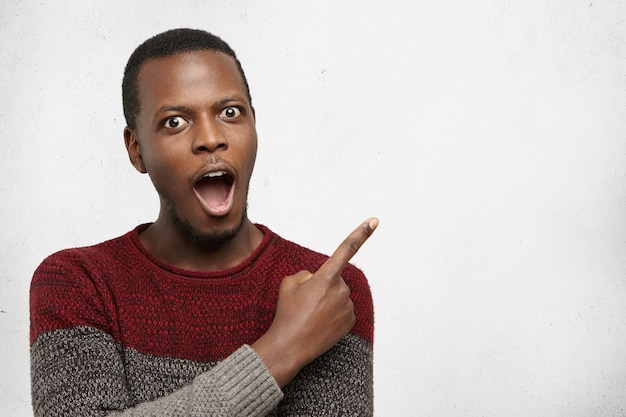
[[80, 258], [70, 287], [93, 256], [87, 268]]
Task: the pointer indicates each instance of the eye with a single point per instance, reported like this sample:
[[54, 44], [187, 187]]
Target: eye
[[174, 122], [230, 113]]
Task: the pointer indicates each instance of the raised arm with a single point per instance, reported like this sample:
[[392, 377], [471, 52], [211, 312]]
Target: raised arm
[[314, 311]]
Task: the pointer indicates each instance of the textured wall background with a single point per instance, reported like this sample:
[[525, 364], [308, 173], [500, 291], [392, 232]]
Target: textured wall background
[[489, 137]]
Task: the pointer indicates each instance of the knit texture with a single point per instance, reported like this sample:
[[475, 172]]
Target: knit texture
[[114, 331]]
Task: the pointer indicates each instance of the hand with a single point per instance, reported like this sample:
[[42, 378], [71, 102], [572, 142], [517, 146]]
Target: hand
[[313, 312]]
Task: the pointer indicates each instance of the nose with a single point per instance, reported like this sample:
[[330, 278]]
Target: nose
[[208, 136]]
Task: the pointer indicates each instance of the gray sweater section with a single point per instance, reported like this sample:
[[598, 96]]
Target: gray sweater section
[[85, 372]]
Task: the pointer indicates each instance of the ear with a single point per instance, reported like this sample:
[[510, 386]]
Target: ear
[[134, 150]]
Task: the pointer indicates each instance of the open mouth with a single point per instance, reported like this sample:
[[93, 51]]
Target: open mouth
[[215, 191]]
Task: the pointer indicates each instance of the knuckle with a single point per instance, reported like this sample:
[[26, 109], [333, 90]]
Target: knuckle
[[286, 282], [352, 319], [296, 278], [352, 245], [343, 291], [303, 274]]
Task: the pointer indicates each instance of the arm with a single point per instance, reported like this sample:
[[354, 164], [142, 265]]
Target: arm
[[313, 312], [338, 380]]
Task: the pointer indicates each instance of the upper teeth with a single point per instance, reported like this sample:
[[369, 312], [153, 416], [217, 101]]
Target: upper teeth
[[215, 174]]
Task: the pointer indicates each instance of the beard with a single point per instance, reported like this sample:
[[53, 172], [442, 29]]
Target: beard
[[212, 239]]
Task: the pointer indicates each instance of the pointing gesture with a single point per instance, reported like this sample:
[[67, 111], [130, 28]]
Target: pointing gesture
[[348, 248], [313, 312]]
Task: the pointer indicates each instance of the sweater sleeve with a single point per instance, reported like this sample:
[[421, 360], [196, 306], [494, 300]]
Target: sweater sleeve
[[78, 369], [338, 383]]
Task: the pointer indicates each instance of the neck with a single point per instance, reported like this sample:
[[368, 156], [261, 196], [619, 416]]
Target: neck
[[171, 245]]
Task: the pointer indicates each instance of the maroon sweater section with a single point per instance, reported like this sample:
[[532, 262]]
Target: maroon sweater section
[[117, 286]]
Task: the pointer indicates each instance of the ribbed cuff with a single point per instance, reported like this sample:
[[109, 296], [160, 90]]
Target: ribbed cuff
[[247, 383]]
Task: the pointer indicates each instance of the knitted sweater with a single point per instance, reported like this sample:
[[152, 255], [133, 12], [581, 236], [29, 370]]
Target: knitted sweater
[[116, 332]]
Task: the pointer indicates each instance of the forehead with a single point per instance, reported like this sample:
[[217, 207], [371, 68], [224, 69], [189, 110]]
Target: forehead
[[198, 73]]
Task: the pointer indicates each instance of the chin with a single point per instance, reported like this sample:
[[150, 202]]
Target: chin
[[218, 236]]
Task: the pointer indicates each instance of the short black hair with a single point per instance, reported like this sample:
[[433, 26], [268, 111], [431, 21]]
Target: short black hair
[[171, 42]]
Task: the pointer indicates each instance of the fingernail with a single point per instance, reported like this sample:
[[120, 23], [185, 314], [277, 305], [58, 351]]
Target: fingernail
[[373, 223]]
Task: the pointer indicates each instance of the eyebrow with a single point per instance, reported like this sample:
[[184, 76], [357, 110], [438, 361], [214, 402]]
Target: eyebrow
[[223, 101], [172, 108], [231, 98]]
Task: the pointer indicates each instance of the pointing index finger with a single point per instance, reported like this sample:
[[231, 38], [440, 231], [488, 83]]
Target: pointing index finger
[[348, 248]]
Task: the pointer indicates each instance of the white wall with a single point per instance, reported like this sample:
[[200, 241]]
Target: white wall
[[488, 136]]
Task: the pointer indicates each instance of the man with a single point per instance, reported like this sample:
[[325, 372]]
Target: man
[[201, 312]]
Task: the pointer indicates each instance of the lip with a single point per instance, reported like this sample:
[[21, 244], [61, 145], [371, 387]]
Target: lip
[[214, 167], [212, 170]]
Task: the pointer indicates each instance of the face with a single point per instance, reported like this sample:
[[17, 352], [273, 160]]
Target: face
[[196, 138]]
